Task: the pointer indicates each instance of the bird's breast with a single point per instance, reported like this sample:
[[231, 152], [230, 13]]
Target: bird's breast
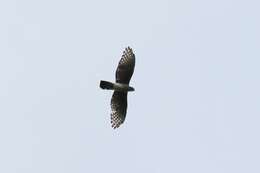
[[121, 87]]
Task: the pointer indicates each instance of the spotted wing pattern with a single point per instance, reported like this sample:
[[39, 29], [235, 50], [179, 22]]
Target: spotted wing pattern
[[119, 107], [125, 67]]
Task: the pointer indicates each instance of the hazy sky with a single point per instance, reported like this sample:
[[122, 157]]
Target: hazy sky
[[196, 108]]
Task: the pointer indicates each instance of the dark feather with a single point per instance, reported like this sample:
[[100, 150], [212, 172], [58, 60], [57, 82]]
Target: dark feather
[[125, 67], [118, 108]]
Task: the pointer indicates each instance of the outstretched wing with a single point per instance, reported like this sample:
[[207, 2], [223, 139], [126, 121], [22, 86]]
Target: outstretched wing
[[118, 108], [126, 65]]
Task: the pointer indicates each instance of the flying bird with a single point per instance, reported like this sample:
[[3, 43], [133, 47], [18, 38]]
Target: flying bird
[[121, 87]]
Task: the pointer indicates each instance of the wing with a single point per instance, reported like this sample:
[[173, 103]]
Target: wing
[[125, 68], [118, 108]]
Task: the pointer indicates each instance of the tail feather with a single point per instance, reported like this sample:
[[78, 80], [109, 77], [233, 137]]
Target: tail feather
[[106, 85]]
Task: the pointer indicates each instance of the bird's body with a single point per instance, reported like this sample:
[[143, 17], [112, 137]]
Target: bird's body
[[121, 87], [115, 86]]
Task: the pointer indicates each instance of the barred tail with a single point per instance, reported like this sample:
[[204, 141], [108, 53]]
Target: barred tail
[[106, 85]]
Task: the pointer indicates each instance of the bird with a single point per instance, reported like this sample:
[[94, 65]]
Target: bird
[[121, 87]]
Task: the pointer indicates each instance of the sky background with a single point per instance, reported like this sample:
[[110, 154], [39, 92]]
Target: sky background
[[196, 102]]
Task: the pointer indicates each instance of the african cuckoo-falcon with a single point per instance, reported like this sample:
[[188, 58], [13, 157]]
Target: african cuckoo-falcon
[[121, 87]]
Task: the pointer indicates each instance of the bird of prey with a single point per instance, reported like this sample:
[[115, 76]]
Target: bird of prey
[[124, 72]]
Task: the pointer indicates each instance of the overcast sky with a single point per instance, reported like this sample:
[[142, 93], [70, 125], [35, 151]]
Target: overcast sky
[[196, 105]]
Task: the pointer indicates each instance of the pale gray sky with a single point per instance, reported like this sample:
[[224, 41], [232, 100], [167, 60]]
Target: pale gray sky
[[200, 113]]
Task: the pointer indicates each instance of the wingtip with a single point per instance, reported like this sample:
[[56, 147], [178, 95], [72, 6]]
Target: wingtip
[[128, 48]]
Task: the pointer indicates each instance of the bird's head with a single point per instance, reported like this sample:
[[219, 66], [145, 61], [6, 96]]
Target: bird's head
[[131, 88]]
